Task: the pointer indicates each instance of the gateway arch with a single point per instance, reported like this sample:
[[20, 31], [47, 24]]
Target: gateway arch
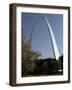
[[52, 37]]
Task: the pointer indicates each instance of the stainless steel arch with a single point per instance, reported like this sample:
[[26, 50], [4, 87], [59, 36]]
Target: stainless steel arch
[[53, 41]]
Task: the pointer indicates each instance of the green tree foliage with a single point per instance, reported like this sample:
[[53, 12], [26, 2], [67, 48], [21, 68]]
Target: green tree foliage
[[28, 57]]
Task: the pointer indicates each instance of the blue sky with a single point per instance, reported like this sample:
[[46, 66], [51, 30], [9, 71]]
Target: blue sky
[[41, 39]]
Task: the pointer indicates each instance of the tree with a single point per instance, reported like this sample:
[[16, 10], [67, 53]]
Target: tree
[[28, 57]]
